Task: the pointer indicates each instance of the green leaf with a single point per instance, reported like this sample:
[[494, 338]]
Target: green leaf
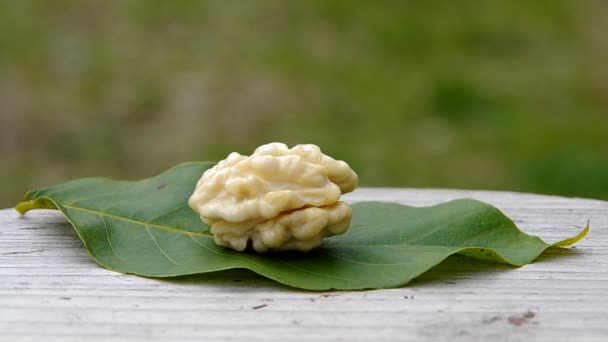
[[147, 228]]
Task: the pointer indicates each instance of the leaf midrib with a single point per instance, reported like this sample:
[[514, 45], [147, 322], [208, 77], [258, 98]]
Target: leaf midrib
[[155, 225], [173, 229]]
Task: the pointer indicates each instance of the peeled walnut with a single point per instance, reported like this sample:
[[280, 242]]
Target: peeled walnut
[[277, 198]]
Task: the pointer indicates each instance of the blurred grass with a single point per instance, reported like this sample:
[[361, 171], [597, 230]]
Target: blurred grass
[[498, 95]]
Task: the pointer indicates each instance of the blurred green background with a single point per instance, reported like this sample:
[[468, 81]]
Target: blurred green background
[[502, 95]]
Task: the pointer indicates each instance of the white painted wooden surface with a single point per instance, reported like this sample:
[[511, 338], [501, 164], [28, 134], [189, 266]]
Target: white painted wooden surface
[[50, 290]]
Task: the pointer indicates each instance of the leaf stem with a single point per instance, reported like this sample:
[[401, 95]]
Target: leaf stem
[[39, 203]]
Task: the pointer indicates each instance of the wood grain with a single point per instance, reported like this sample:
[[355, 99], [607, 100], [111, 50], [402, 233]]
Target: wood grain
[[51, 290]]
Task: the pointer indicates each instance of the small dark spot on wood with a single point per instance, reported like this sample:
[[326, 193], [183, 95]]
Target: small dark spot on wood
[[161, 186], [517, 321], [327, 295], [573, 247], [65, 298], [237, 280], [462, 333], [520, 320], [259, 306], [450, 282], [491, 319]]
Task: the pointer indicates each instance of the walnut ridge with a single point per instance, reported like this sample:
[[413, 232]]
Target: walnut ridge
[[277, 198]]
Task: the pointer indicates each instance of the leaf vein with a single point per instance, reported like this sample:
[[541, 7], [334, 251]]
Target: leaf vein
[[364, 263], [160, 248], [315, 273], [105, 226], [155, 225], [166, 212]]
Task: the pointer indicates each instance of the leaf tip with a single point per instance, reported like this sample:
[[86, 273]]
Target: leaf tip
[[574, 239]]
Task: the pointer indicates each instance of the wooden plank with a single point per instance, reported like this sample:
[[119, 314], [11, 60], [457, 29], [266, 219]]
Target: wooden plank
[[51, 290]]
